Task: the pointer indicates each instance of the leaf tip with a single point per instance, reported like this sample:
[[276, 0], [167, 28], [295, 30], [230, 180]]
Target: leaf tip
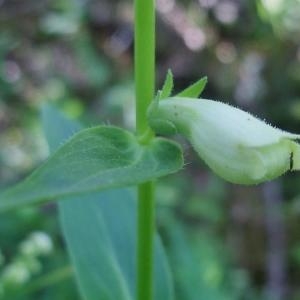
[[195, 89], [167, 86]]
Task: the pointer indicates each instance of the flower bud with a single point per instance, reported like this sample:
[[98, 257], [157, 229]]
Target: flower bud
[[235, 145]]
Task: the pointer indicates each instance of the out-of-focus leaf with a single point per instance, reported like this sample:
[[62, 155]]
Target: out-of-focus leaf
[[197, 267], [94, 66]]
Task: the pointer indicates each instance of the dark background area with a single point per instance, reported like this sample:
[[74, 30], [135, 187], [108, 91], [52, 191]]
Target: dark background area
[[223, 241]]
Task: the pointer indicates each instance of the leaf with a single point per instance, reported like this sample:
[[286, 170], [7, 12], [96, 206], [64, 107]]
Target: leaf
[[194, 90], [199, 265], [167, 87], [98, 272], [95, 159], [96, 268], [100, 229]]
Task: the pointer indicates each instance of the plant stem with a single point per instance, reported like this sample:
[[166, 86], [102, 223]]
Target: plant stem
[[145, 241], [144, 62]]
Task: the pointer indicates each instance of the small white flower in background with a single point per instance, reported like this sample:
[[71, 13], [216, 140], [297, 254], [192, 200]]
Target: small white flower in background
[[26, 264], [38, 243], [43, 242], [15, 274], [235, 145]]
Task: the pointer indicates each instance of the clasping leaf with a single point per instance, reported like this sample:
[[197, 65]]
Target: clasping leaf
[[92, 160]]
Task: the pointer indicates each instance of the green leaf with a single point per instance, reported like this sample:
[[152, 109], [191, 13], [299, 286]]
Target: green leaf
[[100, 230], [194, 90], [199, 265], [95, 159], [167, 87], [92, 253]]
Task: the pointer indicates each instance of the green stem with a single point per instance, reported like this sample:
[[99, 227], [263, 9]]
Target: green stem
[[144, 62], [145, 241]]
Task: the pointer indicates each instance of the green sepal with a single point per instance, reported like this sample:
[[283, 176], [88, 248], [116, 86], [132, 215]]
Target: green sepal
[[167, 87], [194, 90]]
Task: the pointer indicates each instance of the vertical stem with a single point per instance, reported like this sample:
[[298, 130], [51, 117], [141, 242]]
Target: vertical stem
[[145, 242], [144, 62]]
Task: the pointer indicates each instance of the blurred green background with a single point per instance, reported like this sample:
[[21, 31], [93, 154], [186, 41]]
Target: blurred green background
[[223, 241]]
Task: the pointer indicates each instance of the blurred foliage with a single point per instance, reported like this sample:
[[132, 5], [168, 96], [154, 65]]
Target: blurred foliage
[[78, 53]]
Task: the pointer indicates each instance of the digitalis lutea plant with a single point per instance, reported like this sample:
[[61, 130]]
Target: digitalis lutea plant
[[236, 145]]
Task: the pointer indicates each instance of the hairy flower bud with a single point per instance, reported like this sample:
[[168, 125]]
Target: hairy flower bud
[[235, 145]]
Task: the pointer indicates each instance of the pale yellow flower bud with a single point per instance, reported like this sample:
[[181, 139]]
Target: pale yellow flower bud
[[235, 145]]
